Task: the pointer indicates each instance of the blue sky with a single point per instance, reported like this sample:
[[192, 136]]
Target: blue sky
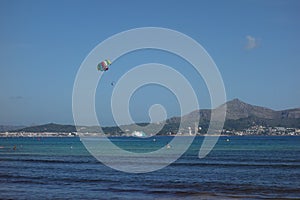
[[255, 45]]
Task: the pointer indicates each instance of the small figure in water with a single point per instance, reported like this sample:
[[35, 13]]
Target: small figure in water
[[14, 147]]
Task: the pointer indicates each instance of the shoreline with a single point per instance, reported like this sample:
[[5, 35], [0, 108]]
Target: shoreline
[[120, 136]]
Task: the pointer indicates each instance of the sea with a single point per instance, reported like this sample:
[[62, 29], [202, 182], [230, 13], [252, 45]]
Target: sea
[[238, 167]]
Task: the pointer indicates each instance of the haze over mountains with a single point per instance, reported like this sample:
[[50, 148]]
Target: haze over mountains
[[239, 115]]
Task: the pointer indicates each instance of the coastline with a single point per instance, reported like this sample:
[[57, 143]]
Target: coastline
[[62, 135]]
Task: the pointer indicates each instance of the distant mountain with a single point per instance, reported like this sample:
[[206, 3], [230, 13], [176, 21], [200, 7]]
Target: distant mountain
[[51, 127], [237, 109], [239, 115], [5, 128], [290, 114]]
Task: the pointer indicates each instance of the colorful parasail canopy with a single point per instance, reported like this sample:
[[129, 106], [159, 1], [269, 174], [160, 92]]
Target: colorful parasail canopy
[[103, 65]]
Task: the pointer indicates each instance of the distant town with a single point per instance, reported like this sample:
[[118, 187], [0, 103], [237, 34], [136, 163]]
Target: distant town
[[251, 131], [263, 130]]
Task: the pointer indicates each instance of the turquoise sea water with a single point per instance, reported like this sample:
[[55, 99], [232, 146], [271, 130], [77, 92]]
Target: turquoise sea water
[[241, 168]]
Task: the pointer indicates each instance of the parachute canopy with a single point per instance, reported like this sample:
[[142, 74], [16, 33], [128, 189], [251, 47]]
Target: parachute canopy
[[103, 65]]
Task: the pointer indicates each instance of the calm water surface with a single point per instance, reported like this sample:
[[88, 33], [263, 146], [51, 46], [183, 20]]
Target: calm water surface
[[241, 168]]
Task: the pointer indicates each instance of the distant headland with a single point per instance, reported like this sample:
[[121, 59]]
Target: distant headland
[[241, 119]]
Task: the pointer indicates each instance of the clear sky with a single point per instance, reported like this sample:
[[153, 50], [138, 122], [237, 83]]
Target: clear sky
[[255, 45]]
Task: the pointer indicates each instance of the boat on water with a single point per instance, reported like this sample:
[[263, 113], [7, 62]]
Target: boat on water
[[138, 134]]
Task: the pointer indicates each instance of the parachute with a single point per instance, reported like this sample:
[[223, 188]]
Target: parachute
[[103, 65]]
